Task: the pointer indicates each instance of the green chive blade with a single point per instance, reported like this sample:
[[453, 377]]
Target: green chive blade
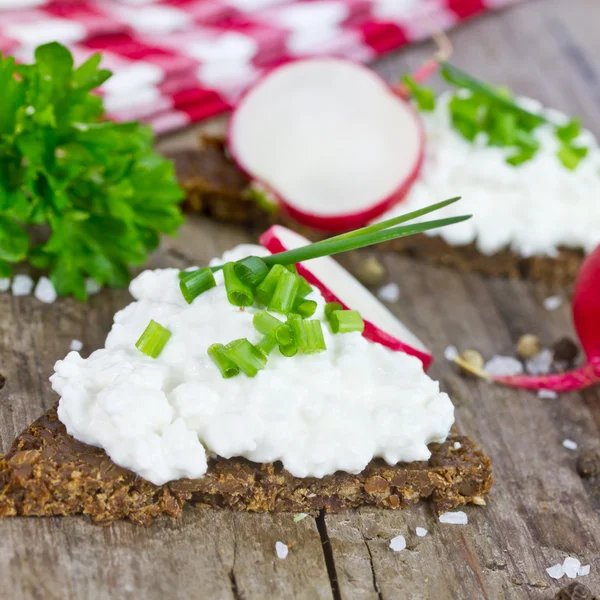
[[153, 340], [194, 283], [238, 293], [264, 292], [225, 365], [247, 357], [267, 344], [346, 321], [296, 323], [315, 340], [285, 293], [288, 351], [265, 323], [304, 288], [284, 335], [331, 307], [251, 270], [305, 308]]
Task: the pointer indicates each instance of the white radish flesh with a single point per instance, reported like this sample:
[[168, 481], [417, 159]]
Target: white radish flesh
[[330, 139], [337, 285]]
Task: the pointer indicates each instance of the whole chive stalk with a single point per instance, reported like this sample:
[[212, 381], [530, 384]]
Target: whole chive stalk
[[289, 350], [238, 293], [225, 365], [315, 342], [285, 293], [304, 288], [247, 357], [305, 308], [251, 270], [153, 340], [264, 292], [296, 323], [194, 283], [346, 321], [267, 344]]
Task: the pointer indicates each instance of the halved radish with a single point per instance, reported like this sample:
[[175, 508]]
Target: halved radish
[[332, 140], [337, 285]]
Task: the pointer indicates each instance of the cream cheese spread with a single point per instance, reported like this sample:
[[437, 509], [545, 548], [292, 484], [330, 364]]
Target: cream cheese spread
[[317, 413], [531, 209]]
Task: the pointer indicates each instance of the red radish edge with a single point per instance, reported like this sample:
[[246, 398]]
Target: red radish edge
[[586, 316], [272, 241], [342, 221]]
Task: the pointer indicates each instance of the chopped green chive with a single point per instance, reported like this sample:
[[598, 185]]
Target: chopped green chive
[[153, 340], [251, 270], [285, 292], [315, 342], [238, 293], [284, 335], [225, 365], [267, 344], [345, 321], [423, 96], [194, 283], [265, 323], [570, 156], [305, 308], [264, 292], [289, 350], [292, 269], [296, 322], [247, 357], [330, 307], [568, 132], [304, 288]]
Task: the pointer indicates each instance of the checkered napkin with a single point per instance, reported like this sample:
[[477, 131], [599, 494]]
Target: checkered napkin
[[176, 62]]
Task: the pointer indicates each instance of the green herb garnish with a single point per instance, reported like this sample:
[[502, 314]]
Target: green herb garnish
[[238, 293], [97, 187], [423, 96], [346, 321], [153, 340], [194, 283], [226, 366], [247, 357]]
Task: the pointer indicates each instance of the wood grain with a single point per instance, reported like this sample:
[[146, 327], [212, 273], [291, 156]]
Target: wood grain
[[540, 511]]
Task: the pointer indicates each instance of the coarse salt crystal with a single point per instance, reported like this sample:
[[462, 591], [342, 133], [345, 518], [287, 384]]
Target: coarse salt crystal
[[457, 445], [556, 571], [583, 571], [541, 363], [389, 293], [281, 550], [92, 286], [450, 353], [398, 543], [76, 345], [454, 518], [300, 517], [44, 291], [22, 285], [571, 567], [570, 444], [503, 365], [552, 303], [4, 284], [547, 394], [421, 531]]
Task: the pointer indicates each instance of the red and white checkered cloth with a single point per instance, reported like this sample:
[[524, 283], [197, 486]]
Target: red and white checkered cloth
[[176, 62]]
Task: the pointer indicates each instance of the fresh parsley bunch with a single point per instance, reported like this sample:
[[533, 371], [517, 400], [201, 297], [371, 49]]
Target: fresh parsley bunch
[[93, 191], [492, 110]]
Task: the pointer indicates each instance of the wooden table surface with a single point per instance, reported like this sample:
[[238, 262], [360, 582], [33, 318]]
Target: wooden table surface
[[541, 510]]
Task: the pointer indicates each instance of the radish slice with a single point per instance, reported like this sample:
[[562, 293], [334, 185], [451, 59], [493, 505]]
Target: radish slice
[[330, 139], [337, 285]]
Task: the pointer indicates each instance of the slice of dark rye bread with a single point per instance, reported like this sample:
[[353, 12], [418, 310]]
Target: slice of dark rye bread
[[47, 472], [215, 187]]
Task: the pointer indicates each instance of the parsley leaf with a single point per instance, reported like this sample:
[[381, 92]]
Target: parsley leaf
[[423, 96], [99, 191]]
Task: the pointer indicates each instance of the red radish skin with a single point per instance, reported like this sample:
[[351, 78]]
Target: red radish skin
[[342, 220], [586, 316], [272, 242]]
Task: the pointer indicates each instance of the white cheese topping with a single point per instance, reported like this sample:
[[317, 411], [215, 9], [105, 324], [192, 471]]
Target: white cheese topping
[[317, 413], [532, 209]]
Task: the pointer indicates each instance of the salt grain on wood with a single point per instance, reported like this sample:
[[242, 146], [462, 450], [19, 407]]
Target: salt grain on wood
[[281, 550], [583, 571], [541, 363], [398, 543], [76, 345], [450, 353], [570, 444], [4, 284], [552, 303], [457, 445], [44, 291], [555, 571], [571, 567], [504, 365], [22, 285], [421, 531], [92, 286], [454, 518], [389, 293], [547, 394]]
